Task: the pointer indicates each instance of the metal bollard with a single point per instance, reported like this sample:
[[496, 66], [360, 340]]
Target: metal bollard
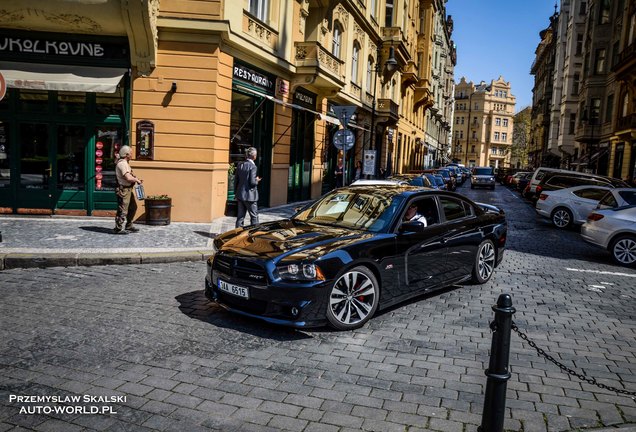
[[492, 419]]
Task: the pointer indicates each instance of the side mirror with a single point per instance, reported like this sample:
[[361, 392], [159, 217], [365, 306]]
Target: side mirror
[[412, 227]]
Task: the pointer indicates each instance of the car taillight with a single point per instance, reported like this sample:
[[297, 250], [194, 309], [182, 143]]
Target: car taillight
[[527, 189], [543, 197], [539, 189], [595, 217]]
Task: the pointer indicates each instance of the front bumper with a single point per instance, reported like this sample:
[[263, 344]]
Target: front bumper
[[298, 305]]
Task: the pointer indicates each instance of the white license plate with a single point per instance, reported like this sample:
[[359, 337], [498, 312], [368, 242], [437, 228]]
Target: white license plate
[[236, 290]]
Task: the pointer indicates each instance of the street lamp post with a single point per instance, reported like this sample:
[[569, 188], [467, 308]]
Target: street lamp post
[[390, 65]]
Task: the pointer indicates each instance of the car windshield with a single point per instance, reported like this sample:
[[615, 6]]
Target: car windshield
[[483, 171], [356, 208]]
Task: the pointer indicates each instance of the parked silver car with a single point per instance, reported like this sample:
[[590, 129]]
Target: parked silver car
[[569, 206], [614, 230]]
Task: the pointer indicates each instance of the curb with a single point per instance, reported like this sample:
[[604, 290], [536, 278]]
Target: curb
[[27, 260]]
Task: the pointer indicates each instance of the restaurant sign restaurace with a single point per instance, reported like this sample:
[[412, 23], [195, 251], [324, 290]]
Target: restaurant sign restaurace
[[255, 79]]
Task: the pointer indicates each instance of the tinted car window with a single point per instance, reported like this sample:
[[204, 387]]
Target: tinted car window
[[628, 196], [591, 193], [453, 209], [483, 171], [608, 200], [417, 181]]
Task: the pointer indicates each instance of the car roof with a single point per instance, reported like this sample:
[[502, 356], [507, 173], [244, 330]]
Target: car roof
[[377, 182]]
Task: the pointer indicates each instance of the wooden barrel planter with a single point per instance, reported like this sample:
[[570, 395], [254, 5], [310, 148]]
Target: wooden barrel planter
[[158, 211]]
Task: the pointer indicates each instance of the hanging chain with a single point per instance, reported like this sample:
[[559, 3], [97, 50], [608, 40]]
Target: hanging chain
[[564, 368]]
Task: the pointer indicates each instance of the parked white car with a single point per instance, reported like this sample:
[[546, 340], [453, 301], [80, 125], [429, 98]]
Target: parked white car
[[569, 206], [614, 230], [618, 197]]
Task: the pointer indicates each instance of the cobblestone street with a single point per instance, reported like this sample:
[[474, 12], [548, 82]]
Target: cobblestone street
[[147, 332]]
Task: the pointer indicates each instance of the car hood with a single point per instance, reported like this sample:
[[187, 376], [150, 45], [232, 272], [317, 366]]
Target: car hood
[[288, 238]]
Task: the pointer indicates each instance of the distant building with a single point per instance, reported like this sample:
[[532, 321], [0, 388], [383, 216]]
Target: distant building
[[520, 139], [483, 123]]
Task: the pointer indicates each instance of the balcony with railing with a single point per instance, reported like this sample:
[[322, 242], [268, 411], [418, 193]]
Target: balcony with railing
[[410, 74], [626, 125], [423, 96], [313, 60], [394, 37], [387, 111]]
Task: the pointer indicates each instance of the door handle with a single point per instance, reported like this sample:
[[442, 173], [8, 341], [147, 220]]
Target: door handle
[[49, 170]]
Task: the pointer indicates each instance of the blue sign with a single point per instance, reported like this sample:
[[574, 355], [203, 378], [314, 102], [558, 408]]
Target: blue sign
[[344, 139]]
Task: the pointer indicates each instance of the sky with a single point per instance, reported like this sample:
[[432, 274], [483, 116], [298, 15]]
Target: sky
[[499, 37]]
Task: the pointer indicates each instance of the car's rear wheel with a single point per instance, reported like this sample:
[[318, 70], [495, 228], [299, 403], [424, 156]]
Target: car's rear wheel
[[562, 218], [484, 262], [623, 250], [353, 299]]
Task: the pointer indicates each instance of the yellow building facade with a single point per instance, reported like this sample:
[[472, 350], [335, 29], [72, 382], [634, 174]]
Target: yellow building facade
[[190, 85]]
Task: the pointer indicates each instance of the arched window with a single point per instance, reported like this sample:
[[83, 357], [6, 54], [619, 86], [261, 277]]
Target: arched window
[[370, 69], [355, 62], [337, 39]]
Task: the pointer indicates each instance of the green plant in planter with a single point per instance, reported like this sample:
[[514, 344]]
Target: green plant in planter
[[157, 197], [231, 169]]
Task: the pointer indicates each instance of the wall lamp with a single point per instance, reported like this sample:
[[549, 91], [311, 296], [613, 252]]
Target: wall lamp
[[173, 87]]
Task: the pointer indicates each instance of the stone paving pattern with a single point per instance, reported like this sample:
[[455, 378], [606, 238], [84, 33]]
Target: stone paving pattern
[[184, 364]]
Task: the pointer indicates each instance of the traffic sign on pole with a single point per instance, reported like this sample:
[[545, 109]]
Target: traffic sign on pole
[[344, 140], [344, 113]]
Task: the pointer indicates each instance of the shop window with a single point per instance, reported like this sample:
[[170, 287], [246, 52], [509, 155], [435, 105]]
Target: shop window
[[108, 104], [33, 101], [71, 142], [108, 140], [71, 102], [5, 160]]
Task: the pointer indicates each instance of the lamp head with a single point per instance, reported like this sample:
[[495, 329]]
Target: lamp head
[[391, 63]]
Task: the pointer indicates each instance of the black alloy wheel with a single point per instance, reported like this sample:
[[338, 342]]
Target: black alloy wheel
[[484, 262], [353, 299]]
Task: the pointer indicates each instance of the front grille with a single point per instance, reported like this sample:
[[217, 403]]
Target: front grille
[[239, 268]]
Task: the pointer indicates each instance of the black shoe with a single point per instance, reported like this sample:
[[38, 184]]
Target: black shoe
[[119, 231], [132, 229]]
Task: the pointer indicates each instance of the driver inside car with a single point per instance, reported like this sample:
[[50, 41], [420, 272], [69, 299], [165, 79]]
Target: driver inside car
[[412, 215]]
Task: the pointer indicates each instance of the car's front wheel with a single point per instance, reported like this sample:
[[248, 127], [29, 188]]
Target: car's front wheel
[[562, 218], [353, 299], [623, 250], [484, 262]]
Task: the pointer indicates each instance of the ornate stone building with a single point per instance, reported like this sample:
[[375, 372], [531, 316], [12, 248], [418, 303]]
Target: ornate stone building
[[483, 123], [192, 84]]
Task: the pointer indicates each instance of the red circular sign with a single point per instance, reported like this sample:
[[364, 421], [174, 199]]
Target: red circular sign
[[98, 168], [99, 145], [99, 176], [98, 161], [99, 153], [3, 87]]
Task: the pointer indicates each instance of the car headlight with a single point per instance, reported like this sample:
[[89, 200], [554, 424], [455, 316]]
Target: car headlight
[[492, 179], [300, 272]]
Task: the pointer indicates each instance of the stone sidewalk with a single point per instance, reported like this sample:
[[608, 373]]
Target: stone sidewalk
[[48, 241]]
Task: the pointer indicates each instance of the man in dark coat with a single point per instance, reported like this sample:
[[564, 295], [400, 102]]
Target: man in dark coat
[[246, 189]]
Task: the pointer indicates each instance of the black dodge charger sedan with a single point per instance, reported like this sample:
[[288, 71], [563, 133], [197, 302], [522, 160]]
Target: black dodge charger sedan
[[353, 252]]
